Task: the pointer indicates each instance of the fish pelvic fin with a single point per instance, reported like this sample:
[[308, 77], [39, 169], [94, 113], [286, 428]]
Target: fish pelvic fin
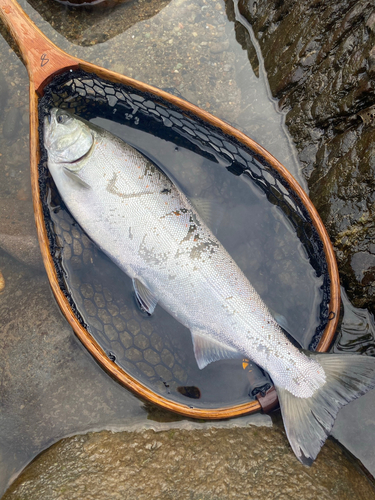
[[208, 350], [145, 298], [309, 421]]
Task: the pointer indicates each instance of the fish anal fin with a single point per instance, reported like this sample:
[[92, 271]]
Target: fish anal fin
[[207, 350], [145, 298]]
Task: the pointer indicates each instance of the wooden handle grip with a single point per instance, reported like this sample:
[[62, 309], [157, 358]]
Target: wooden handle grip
[[41, 57]]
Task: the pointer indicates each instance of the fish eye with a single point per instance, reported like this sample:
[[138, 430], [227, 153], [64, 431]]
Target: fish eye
[[62, 118]]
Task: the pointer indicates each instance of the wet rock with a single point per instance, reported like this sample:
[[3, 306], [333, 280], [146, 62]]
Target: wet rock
[[89, 25], [368, 115], [196, 464], [17, 231], [12, 121], [3, 91], [319, 59], [17, 227], [23, 248], [218, 47], [94, 3]]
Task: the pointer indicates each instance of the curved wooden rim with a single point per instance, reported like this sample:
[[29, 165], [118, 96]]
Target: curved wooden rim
[[62, 61]]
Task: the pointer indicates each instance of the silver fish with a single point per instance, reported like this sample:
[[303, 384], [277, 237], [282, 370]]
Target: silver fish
[[148, 227]]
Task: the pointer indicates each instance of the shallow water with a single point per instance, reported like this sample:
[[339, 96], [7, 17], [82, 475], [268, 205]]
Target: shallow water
[[50, 387]]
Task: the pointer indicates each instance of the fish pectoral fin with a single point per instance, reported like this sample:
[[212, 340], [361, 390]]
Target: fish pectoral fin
[[76, 178], [145, 298], [207, 350]]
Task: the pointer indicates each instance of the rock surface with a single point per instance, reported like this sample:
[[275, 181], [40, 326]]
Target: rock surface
[[320, 62], [95, 24], [17, 227], [208, 464]]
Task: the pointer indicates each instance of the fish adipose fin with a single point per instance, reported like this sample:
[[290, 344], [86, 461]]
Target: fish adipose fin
[[145, 298], [207, 350], [308, 421]]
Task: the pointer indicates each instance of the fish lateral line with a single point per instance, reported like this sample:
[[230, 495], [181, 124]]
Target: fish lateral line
[[111, 188]]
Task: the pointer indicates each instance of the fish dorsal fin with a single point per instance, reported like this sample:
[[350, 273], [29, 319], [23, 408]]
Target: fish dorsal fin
[[207, 350], [146, 299]]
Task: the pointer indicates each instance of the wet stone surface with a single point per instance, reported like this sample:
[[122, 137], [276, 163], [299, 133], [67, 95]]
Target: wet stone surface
[[17, 227], [208, 464], [319, 59], [89, 25]]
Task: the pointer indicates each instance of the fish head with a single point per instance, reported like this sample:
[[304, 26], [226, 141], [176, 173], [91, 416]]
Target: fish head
[[67, 139]]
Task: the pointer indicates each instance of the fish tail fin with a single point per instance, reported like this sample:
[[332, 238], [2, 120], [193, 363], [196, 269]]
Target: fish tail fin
[[308, 421]]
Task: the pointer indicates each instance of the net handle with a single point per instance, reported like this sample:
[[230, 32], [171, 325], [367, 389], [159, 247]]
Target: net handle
[[42, 58]]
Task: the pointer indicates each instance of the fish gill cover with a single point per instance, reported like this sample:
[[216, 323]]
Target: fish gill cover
[[157, 351]]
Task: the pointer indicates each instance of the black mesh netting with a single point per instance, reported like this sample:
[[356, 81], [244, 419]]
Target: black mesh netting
[[157, 350]]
